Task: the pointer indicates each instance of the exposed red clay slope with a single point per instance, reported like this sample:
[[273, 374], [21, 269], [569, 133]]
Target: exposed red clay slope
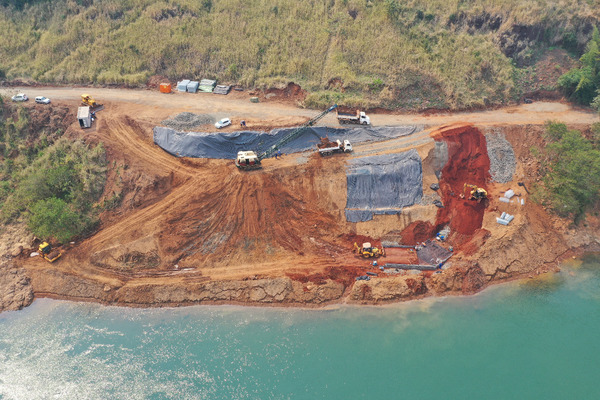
[[469, 163]]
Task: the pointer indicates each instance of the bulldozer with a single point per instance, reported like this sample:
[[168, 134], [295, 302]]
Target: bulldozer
[[47, 253], [368, 251], [88, 100], [476, 193]]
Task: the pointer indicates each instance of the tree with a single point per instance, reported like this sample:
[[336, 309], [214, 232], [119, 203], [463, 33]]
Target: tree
[[582, 84], [572, 183], [53, 218]]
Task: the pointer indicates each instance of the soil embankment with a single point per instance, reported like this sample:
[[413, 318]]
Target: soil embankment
[[194, 231]]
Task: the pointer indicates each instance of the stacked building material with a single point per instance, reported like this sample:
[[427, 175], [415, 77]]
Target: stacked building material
[[222, 89], [505, 218], [182, 86], [207, 85], [192, 87]]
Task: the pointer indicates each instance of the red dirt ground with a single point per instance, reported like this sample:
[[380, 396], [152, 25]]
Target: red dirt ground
[[469, 163], [418, 231]]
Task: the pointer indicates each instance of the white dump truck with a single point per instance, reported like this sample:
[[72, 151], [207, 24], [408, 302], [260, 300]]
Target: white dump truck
[[327, 148], [356, 117]]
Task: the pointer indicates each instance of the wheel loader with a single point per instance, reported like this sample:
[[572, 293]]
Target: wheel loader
[[476, 193], [368, 251], [47, 253]]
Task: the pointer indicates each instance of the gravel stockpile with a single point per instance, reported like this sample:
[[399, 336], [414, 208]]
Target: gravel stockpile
[[503, 163], [188, 120]]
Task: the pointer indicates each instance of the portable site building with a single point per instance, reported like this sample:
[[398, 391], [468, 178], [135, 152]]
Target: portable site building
[[84, 116], [182, 86], [192, 87]]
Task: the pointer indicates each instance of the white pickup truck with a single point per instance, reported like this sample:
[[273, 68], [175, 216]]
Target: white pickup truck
[[327, 148]]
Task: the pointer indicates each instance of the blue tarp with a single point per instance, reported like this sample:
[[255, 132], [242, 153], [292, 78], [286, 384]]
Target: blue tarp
[[383, 185]]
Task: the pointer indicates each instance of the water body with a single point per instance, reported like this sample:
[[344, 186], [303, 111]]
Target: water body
[[534, 340]]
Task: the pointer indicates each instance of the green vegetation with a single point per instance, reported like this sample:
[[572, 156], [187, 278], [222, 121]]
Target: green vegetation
[[571, 171], [51, 181], [583, 84], [412, 53]]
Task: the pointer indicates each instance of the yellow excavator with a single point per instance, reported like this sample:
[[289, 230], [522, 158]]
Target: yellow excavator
[[47, 253], [368, 251], [476, 193], [88, 100]]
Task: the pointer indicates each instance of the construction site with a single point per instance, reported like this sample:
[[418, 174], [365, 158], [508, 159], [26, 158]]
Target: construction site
[[403, 207]]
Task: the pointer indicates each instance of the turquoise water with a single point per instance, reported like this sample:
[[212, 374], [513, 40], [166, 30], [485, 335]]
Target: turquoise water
[[535, 340]]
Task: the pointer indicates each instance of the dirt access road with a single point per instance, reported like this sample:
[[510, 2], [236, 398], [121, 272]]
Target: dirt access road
[[237, 106]]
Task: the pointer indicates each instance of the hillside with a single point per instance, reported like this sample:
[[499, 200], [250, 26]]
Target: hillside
[[413, 54]]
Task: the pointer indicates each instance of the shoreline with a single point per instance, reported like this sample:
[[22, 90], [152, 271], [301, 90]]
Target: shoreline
[[576, 253]]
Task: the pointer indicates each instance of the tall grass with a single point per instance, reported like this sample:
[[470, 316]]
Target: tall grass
[[401, 44]]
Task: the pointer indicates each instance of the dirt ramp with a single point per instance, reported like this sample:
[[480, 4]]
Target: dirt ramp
[[468, 162]]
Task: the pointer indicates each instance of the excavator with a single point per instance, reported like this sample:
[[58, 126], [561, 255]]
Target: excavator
[[368, 251], [476, 193], [47, 253], [248, 159], [88, 100]]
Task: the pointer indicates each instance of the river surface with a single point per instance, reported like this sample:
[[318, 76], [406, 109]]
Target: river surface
[[538, 339]]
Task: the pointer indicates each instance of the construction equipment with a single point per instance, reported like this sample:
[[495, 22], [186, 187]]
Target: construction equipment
[[88, 100], [47, 253], [356, 117], [476, 193], [247, 160], [368, 251], [327, 148]]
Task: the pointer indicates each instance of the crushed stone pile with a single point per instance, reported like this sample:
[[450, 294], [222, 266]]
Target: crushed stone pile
[[187, 120], [503, 163], [383, 185], [225, 145]]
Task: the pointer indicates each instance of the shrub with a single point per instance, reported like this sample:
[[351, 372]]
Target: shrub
[[571, 184], [54, 218]]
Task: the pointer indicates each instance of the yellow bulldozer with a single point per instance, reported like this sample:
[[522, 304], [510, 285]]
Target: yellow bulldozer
[[47, 253], [476, 192], [88, 100], [368, 251]]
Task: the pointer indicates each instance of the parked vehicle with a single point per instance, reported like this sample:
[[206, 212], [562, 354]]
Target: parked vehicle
[[20, 97], [42, 100], [327, 148], [223, 123], [358, 117]]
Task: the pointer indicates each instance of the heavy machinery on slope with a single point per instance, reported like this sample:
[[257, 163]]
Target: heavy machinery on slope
[[47, 253], [88, 100], [476, 192], [248, 159], [368, 251]]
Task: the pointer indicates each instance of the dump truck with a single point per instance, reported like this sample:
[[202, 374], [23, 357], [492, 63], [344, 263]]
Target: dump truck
[[356, 117], [327, 147], [368, 251], [47, 253], [89, 101]]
